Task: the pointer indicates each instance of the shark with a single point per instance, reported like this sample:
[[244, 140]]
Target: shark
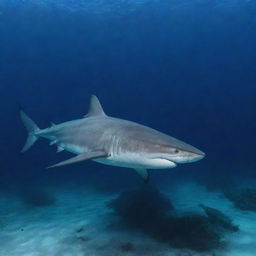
[[112, 141]]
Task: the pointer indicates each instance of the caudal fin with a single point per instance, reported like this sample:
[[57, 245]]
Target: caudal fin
[[31, 128]]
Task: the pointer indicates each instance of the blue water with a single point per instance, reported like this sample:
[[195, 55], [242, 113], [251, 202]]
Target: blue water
[[186, 68]]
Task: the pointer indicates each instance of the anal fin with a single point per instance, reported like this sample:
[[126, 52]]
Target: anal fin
[[59, 149], [80, 158], [143, 174]]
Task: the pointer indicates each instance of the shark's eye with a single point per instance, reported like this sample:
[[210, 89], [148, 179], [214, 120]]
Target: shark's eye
[[176, 151]]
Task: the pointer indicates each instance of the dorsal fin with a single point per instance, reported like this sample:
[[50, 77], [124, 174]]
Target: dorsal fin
[[95, 108]]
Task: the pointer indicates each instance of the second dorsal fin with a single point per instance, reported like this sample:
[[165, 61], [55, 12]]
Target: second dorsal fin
[[95, 108]]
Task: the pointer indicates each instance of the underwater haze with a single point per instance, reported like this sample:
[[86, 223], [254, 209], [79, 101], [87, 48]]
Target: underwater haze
[[184, 67]]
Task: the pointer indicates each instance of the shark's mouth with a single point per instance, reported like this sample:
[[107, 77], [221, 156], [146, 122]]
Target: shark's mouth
[[172, 163], [165, 162]]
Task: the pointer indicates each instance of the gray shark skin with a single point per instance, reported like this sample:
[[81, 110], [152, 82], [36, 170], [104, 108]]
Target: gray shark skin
[[113, 141]]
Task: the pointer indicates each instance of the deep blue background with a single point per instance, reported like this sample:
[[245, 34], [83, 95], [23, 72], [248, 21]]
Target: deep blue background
[[188, 71]]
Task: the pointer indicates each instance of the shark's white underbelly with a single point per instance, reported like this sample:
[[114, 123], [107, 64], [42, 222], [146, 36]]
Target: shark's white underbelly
[[136, 161], [72, 148]]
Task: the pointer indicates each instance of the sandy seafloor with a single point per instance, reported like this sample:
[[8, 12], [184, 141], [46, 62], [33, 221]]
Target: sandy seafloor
[[80, 224]]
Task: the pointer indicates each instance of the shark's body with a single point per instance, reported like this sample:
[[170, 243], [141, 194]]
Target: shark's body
[[114, 142]]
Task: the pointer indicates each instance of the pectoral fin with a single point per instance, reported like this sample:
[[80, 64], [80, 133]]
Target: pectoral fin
[[80, 158], [143, 174]]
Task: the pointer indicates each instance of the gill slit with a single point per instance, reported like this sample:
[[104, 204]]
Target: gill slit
[[115, 145]]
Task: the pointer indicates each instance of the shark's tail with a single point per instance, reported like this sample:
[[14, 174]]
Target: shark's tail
[[32, 128]]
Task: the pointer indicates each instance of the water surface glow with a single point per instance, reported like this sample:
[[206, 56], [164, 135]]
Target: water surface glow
[[128, 6]]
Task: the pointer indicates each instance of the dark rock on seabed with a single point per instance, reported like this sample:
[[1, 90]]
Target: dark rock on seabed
[[243, 199], [151, 211], [218, 219], [36, 197]]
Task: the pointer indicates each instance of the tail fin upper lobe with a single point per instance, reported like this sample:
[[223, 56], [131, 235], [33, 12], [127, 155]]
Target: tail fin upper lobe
[[31, 128]]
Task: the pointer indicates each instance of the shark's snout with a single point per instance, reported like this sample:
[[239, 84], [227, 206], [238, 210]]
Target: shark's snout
[[197, 156], [187, 156], [192, 156]]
